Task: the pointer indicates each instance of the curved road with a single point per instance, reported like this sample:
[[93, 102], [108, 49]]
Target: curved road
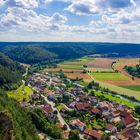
[[60, 118]]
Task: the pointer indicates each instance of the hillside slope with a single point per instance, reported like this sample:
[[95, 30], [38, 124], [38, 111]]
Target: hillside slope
[[41, 51], [15, 123], [10, 73]]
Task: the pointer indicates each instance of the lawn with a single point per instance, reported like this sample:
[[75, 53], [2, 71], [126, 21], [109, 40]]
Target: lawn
[[23, 92], [135, 88], [60, 106], [109, 76]]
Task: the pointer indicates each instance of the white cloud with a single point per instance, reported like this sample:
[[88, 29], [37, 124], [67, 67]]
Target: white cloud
[[29, 20], [2, 2], [83, 8], [28, 4]]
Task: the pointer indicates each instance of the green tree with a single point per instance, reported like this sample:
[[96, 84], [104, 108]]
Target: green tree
[[74, 135]]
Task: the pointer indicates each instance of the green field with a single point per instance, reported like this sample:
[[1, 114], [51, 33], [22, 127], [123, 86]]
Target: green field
[[23, 92], [135, 88], [120, 90], [109, 76]]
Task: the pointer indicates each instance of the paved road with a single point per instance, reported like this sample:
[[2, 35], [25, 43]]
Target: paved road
[[60, 118]]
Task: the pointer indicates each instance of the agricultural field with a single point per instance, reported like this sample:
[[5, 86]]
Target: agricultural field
[[120, 63], [78, 75], [102, 71], [120, 90], [109, 76], [90, 69], [100, 65], [135, 87], [23, 92]]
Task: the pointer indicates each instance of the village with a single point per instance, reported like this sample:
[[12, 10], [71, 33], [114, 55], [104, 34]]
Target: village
[[72, 107]]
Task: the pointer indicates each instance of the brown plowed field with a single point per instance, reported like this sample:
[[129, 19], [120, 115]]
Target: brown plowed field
[[101, 63]]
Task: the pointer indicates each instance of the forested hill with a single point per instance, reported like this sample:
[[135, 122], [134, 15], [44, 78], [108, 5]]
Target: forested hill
[[10, 73], [15, 121], [38, 52]]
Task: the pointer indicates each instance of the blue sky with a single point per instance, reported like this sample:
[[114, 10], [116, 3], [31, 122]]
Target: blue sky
[[70, 20]]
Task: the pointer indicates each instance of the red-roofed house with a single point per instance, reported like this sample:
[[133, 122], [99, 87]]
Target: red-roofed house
[[128, 134], [93, 135], [112, 129], [48, 112], [129, 121], [95, 111], [77, 124], [82, 106]]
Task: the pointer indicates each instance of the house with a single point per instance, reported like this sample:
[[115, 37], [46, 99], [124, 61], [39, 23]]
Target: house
[[110, 128], [129, 121], [93, 135], [82, 106], [77, 124], [124, 114], [115, 113], [105, 106], [95, 111], [128, 134], [48, 112], [84, 98]]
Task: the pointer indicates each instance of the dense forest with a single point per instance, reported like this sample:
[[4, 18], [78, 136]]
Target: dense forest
[[15, 121], [38, 52], [134, 71], [10, 73]]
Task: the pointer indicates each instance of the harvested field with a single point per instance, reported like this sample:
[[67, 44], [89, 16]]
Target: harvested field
[[78, 75], [129, 62], [101, 63], [126, 62]]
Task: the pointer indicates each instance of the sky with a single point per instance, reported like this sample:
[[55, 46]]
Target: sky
[[70, 20]]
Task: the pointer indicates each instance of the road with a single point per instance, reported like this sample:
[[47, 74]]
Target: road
[[59, 116]]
